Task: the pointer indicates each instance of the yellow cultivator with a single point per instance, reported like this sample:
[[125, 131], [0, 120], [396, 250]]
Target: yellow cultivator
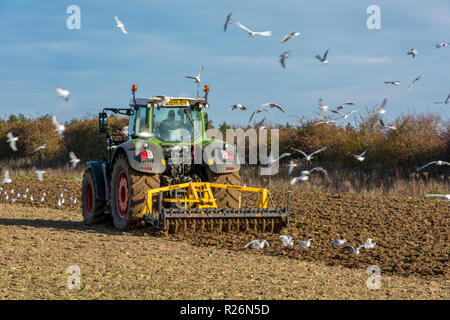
[[192, 206]]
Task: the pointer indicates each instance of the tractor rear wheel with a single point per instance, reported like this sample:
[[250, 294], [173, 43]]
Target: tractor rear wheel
[[226, 198], [93, 209], [128, 188]]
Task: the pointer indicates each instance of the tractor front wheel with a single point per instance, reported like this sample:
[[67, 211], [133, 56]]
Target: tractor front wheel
[[93, 209]]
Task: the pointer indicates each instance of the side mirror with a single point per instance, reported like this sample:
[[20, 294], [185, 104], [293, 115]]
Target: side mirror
[[102, 122]]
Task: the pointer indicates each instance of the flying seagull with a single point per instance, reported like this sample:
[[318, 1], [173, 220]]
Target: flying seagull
[[255, 244], [344, 115], [237, 106], [292, 35], [324, 58], [254, 33], [309, 157], [197, 77], [369, 244], [394, 83], [324, 122], [446, 100], [438, 162], [40, 174], [227, 22], [304, 175], [273, 105], [353, 250], [383, 126], [39, 148], [284, 56], [442, 44], [59, 127], [291, 167], [341, 106], [360, 157], [382, 110], [412, 52], [286, 240], [73, 159], [446, 197], [6, 177], [120, 25], [62, 93], [258, 111], [305, 244], [416, 79], [338, 242], [12, 141], [271, 160]]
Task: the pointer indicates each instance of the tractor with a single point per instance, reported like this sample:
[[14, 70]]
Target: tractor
[[164, 169]]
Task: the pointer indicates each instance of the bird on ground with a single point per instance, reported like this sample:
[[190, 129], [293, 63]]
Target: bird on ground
[[309, 157], [258, 111], [413, 52], [26, 190], [73, 159], [6, 177], [394, 83], [438, 162], [197, 77], [344, 115], [120, 25], [59, 203], [369, 244], [286, 240], [353, 250], [283, 58], [59, 127], [382, 110], [255, 244], [62, 93], [416, 79], [291, 167], [39, 148], [360, 157], [43, 194], [324, 58], [433, 195], [42, 199], [383, 126], [237, 106], [31, 198], [446, 100], [252, 34], [227, 21], [304, 175], [274, 105], [305, 244], [291, 35], [442, 44], [338, 242], [12, 141]]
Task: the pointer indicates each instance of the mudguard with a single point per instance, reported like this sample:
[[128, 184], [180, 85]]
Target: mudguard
[[210, 158], [155, 165], [99, 176]]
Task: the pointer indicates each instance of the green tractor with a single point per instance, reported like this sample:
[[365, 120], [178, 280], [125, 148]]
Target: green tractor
[[166, 152]]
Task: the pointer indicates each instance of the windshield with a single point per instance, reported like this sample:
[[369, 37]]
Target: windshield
[[176, 124]]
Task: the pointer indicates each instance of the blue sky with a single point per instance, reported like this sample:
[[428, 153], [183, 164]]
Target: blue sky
[[170, 39]]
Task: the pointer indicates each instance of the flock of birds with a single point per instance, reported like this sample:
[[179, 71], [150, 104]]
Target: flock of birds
[[12, 196], [288, 241]]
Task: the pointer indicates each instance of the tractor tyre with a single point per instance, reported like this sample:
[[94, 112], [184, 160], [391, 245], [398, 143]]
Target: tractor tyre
[[226, 198], [93, 208], [128, 190]]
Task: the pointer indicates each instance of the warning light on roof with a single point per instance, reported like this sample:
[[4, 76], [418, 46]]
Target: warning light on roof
[[206, 88], [133, 88]]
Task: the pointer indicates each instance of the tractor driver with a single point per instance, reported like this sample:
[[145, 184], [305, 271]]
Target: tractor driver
[[169, 124]]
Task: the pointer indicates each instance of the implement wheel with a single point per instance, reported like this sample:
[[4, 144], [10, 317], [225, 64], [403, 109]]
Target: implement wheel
[[226, 198], [93, 209], [128, 188]]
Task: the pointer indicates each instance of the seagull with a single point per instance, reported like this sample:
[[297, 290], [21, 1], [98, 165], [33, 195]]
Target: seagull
[[360, 157], [412, 52], [73, 159], [383, 126], [120, 25], [271, 160], [237, 106], [394, 83], [286, 240], [260, 124], [338, 242], [344, 115], [369, 244], [59, 127], [12, 140], [227, 22], [284, 56], [446, 197], [39, 148], [382, 110], [292, 35], [442, 44], [416, 79], [6, 177], [309, 157], [40, 174], [341, 106], [197, 77], [41, 199], [255, 244], [258, 111], [74, 200], [291, 167], [438, 162], [446, 100], [254, 33], [324, 58], [26, 190], [322, 107], [273, 105], [59, 203], [125, 130], [326, 122], [162, 100], [31, 198], [304, 175], [353, 250], [62, 93], [305, 244]]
